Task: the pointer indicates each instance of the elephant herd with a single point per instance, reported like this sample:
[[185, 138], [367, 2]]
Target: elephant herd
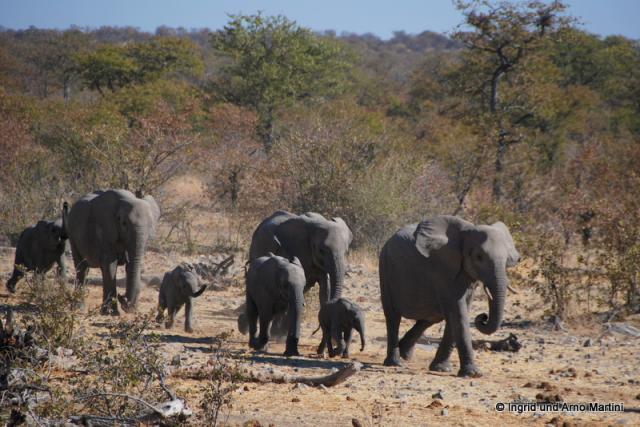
[[427, 273]]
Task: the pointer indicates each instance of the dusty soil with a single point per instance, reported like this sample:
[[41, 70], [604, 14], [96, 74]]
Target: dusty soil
[[555, 364]]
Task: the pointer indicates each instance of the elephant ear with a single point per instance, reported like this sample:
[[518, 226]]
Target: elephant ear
[[155, 209], [431, 235], [513, 256], [341, 221]]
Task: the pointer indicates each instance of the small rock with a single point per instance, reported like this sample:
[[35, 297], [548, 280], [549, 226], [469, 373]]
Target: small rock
[[638, 396], [175, 360], [588, 343], [435, 404], [444, 412], [350, 399], [438, 395], [295, 400], [356, 422], [245, 388]]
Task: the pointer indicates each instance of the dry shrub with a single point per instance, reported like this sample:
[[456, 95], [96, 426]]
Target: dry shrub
[[55, 319], [221, 382], [128, 362]]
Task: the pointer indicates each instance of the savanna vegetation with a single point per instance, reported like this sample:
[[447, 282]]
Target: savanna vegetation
[[518, 115]]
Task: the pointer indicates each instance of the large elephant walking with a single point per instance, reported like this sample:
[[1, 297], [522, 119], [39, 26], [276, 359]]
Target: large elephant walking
[[107, 229], [320, 244], [427, 273]]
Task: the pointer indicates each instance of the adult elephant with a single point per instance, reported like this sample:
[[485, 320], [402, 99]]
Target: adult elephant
[[320, 244], [427, 273], [107, 229]]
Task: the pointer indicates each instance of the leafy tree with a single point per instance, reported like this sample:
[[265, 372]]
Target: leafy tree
[[115, 67], [500, 69], [272, 62]]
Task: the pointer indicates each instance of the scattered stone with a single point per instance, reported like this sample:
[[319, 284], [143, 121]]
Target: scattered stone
[[175, 360], [638, 396], [588, 343], [350, 399], [438, 395], [295, 400], [356, 422], [435, 404], [245, 388], [444, 412]]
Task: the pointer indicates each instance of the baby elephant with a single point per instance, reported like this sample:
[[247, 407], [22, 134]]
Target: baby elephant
[[337, 319], [178, 288], [273, 285], [39, 247]]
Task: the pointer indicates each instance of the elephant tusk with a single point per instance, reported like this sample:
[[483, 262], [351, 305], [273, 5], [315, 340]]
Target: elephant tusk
[[488, 292], [513, 291]]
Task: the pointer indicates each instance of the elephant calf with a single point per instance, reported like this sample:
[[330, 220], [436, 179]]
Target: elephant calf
[[337, 319], [39, 247], [178, 288], [274, 284]]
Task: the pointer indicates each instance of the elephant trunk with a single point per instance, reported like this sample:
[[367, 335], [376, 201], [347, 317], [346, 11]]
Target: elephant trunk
[[336, 269], [135, 253], [360, 328], [296, 304], [497, 290]]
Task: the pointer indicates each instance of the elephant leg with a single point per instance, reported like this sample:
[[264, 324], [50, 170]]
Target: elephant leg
[[393, 325], [322, 345], [459, 319], [347, 340], [188, 316], [441, 362], [326, 336], [109, 293], [160, 315], [62, 268], [263, 338], [13, 280], [408, 341], [336, 335], [171, 311], [252, 318]]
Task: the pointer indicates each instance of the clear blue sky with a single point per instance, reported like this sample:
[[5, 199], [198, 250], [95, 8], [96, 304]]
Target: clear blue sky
[[380, 17]]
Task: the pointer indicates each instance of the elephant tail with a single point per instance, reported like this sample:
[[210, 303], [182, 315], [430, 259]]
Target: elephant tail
[[314, 332], [199, 291]]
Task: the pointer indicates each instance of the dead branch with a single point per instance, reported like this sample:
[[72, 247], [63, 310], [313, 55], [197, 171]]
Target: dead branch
[[510, 343], [169, 409], [330, 380]]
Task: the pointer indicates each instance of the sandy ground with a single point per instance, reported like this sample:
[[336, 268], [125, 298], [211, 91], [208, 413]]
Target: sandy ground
[[605, 372]]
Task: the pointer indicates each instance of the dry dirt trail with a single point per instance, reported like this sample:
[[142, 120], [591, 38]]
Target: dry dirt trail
[[605, 372]]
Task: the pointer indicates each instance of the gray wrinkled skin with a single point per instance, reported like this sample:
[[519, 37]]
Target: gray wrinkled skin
[[337, 320], [39, 247], [320, 244], [427, 273], [274, 285], [179, 287], [107, 229]]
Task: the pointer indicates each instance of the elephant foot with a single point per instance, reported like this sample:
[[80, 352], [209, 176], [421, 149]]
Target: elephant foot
[[168, 324], [345, 355], [320, 350], [406, 350], [443, 366], [291, 348], [392, 361], [188, 329], [109, 308], [11, 287], [469, 370], [126, 305]]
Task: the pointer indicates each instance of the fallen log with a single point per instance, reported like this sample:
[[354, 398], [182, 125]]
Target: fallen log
[[272, 376]]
